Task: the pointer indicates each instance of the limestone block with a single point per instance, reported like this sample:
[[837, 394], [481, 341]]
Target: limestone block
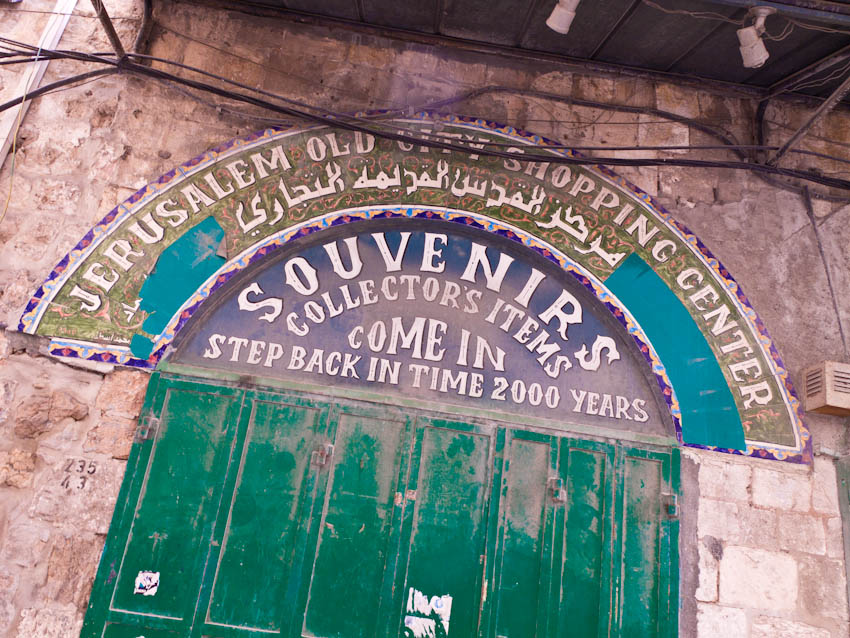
[[714, 621], [710, 551], [769, 627], [758, 527], [653, 132], [24, 543], [678, 100], [553, 82], [80, 492], [801, 533], [4, 346], [718, 519], [7, 392], [823, 589], [781, 490], [724, 480], [32, 416], [71, 568], [758, 579], [123, 393], [825, 487], [8, 587], [16, 468], [113, 436], [64, 405], [592, 87], [38, 413], [834, 538], [61, 622]]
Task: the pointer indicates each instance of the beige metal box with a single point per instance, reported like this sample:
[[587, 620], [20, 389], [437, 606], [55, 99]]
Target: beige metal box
[[827, 388]]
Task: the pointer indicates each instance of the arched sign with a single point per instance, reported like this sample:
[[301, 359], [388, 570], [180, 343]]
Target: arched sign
[[136, 278], [439, 311]]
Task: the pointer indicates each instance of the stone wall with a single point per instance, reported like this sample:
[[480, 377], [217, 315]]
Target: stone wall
[[762, 542], [769, 548]]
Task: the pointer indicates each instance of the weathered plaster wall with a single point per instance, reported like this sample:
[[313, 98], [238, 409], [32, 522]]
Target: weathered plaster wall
[[762, 542]]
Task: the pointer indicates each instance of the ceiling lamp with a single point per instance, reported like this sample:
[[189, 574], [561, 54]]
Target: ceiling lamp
[[562, 15], [753, 51]]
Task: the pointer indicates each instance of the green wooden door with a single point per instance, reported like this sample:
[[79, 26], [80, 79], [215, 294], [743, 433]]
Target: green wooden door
[[254, 572], [252, 513], [586, 545], [445, 529], [351, 589], [154, 559]]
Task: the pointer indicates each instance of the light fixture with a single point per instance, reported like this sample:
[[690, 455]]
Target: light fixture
[[562, 15], [753, 52]]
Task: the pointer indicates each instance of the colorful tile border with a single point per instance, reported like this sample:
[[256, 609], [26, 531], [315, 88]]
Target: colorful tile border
[[122, 356]]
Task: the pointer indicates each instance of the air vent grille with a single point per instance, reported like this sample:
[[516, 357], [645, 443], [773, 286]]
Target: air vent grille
[[814, 382], [827, 388], [842, 382]]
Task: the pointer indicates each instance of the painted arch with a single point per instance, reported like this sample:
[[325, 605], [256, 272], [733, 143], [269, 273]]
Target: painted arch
[[135, 279]]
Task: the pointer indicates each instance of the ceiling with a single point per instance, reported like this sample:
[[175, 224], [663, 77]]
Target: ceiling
[[630, 34]]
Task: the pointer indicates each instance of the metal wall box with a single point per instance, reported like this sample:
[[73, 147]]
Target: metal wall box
[[827, 388]]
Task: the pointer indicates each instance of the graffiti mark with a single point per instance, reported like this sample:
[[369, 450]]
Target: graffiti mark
[[426, 618]]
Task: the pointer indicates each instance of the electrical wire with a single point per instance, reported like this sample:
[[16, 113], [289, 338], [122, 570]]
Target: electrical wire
[[834, 75], [704, 15], [372, 127], [816, 27], [73, 14], [788, 30]]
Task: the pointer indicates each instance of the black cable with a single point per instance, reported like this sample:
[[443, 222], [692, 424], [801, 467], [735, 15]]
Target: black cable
[[354, 124], [47, 88], [431, 143]]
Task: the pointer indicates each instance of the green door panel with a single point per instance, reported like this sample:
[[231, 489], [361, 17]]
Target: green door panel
[[585, 528], [525, 559], [179, 497], [273, 514], [446, 554], [116, 630], [255, 562], [349, 582], [642, 583]]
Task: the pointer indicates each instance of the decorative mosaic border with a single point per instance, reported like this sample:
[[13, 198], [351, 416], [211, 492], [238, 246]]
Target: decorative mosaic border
[[121, 355]]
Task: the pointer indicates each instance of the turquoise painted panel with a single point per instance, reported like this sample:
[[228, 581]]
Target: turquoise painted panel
[[180, 270], [709, 414]]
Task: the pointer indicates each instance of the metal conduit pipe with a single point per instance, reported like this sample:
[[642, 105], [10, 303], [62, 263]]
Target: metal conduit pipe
[[144, 28], [814, 10]]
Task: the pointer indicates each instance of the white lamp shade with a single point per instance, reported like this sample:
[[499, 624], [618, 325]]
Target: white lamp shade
[[753, 52], [562, 16]]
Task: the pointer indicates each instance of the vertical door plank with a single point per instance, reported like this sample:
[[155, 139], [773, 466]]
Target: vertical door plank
[[523, 574], [255, 561], [348, 575], [177, 506], [587, 531], [641, 564], [447, 546]]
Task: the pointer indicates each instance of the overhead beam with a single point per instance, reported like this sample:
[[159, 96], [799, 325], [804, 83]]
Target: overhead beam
[[526, 22], [472, 46], [620, 22], [822, 110], [826, 62], [114, 40], [814, 10]]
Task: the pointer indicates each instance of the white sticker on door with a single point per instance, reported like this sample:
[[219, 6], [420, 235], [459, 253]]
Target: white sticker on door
[[147, 583], [427, 617]]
